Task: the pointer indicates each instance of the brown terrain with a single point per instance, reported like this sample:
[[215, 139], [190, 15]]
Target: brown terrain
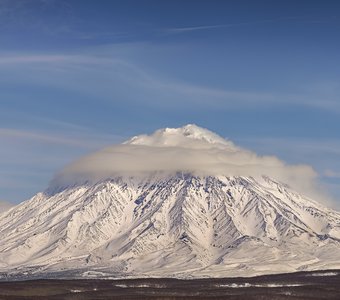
[[302, 285]]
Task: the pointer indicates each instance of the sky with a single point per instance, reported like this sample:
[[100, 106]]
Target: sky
[[79, 75]]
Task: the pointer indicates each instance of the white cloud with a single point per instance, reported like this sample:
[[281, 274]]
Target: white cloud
[[188, 149]]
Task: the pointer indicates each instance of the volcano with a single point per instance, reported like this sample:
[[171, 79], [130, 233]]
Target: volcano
[[182, 202]]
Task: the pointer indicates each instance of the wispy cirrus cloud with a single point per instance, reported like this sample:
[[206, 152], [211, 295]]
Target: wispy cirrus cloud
[[178, 30], [36, 59], [104, 75], [49, 18], [42, 137], [78, 138], [22, 59]]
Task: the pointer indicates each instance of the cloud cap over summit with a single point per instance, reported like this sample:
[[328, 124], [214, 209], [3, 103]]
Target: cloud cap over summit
[[186, 149]]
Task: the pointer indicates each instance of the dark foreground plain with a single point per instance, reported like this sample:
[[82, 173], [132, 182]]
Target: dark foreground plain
[[302, 285]]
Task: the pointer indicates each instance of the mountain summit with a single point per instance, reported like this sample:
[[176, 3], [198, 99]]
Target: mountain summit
[[172, 137], [204, 207]]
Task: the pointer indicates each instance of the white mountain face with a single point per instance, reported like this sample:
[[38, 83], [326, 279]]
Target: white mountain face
[[167, 223]]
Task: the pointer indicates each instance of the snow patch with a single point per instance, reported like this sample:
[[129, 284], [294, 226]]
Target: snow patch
[[262, 285], [323, 274]]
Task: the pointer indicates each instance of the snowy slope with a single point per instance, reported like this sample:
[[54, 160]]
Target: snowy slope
[[170, 224]]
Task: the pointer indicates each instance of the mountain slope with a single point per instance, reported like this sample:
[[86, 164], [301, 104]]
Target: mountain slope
[[183, 224], [160, 223]]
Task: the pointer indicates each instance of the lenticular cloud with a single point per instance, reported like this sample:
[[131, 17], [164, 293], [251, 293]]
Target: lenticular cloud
[[186, 149]]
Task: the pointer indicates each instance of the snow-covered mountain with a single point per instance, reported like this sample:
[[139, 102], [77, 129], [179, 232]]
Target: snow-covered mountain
[[183, 223]]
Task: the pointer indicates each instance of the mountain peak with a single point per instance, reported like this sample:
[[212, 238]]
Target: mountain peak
[[185, 136], [185, 149], [180, 202]]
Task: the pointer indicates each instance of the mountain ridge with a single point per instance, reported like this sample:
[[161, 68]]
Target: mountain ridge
[[164, 217], [211, 227]]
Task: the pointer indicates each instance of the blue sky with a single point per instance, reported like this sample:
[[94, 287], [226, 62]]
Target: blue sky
[[78, 75]]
